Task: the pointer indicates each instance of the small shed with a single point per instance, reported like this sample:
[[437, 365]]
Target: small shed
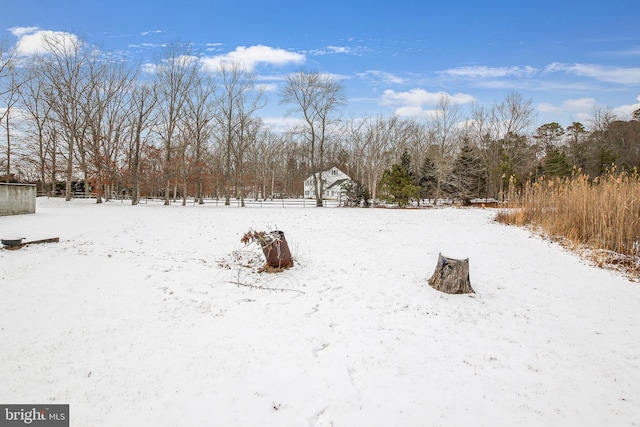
[[17, 199]]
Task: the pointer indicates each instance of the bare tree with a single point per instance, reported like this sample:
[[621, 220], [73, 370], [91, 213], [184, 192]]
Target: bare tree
[[603, 155], [316, 96], [183, 164], [264, 156], [143, 102], [374, 144], [355, 144], [378, 149], [415, 140], [499, 130], [176, 74], [445, 122], [6, 59], [480, 131], [9, 92], [514, 115], [237, 101], [198, 128], [106, 110], [33, 100], [64, 73]]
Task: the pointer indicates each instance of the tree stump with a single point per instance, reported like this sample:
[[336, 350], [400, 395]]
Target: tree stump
[[451, 276]]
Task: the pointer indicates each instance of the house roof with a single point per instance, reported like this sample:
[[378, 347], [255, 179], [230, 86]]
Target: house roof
[[337, 183], [327, 173]]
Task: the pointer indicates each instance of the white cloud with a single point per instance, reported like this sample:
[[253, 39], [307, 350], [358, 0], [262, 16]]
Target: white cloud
[[148, 33], [427, 114], [420, 97], [148, 67], [251, 56], [20, 31], [489, 72], [621, 75], [625, 111], [338, 50], [330, 50], [414, 111], [580, 105], [271, 78], [32, 40], [580, 108], [634, 51], [334, 76], [282, 123], [329, 76], [267, 87], [412, 103], [382, 76], [545, 107], [213, 47]]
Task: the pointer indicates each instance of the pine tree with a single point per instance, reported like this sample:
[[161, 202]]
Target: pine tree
[[556, 164], [468, 179], [428, 179], [357, 194], [396, 186]]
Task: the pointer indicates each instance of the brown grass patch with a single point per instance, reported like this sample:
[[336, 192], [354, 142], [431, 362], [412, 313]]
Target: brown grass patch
[[596, 217]]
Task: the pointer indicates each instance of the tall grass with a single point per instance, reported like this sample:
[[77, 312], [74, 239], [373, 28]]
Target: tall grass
[[601, 214]]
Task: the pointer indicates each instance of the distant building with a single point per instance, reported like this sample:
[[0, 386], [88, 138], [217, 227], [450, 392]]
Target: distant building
[[334, 180]]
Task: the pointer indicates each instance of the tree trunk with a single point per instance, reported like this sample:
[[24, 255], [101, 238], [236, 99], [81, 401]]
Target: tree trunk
[[135, 170], [184, 191], [200, 190], [451, 276], [273, 183], [8, 150], [69, 172], [53, 168]]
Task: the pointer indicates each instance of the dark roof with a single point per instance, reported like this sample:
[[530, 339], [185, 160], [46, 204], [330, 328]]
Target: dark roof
[[337, 183]]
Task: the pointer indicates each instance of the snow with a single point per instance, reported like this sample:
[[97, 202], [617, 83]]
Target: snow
[[134, 319]]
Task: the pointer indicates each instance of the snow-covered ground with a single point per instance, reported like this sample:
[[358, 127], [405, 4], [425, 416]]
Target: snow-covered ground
[[134, 319]]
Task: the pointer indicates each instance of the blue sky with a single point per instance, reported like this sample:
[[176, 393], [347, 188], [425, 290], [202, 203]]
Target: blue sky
[[567, 57]]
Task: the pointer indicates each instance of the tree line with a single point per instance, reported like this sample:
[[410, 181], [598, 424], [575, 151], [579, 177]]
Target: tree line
[[77, 118]]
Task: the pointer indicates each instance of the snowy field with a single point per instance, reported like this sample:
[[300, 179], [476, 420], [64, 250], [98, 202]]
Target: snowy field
[[136, 319]]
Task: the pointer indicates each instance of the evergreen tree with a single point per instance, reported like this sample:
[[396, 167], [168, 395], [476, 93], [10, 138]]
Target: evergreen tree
[[396, 186], [549, 136], [557, 164], [468, 179], [577, 147], [405, 162], [357, 194], [428, 179]]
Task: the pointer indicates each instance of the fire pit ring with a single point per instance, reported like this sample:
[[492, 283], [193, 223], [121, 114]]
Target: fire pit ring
[[16, 241]]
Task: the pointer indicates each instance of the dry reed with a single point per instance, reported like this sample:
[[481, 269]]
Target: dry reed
[[600, 216]]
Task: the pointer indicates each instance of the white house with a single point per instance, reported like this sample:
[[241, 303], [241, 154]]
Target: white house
[[334, 180]]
